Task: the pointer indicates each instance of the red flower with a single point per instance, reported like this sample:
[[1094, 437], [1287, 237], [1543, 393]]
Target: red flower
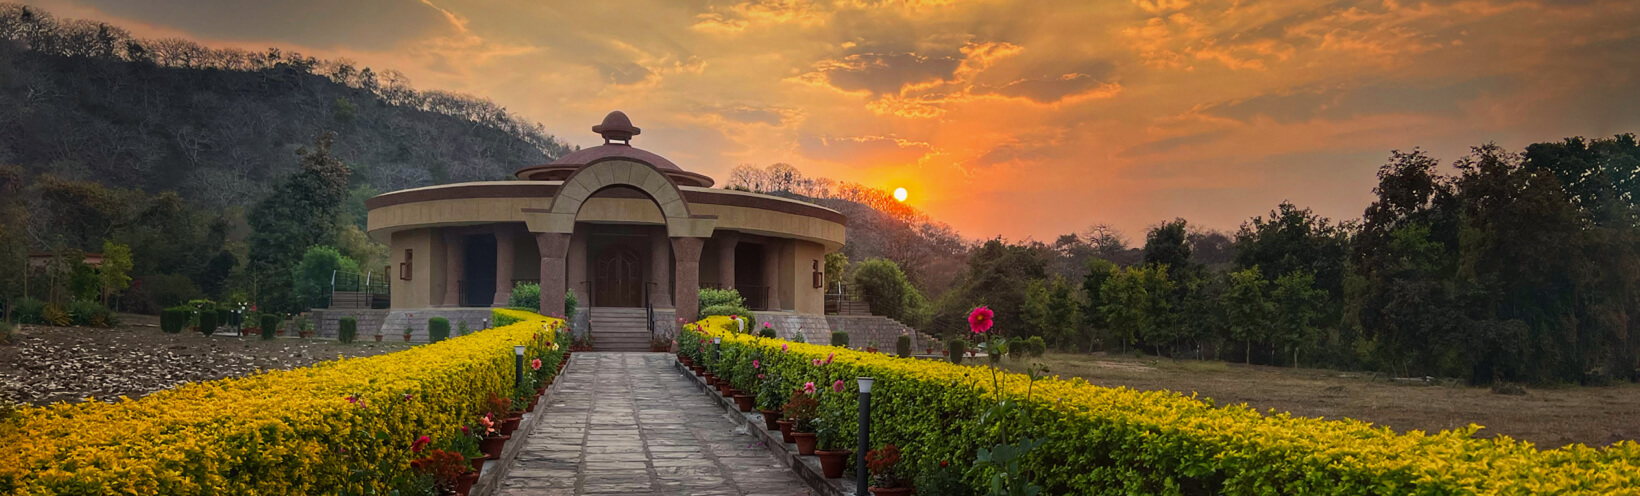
[[419, 443], [980, 319], [535, 364]]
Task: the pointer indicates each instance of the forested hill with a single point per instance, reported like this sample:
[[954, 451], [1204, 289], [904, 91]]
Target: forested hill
[[86, 101]]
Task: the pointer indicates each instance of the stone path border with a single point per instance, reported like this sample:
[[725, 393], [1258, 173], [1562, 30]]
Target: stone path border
[[806, 467], [489, 477]]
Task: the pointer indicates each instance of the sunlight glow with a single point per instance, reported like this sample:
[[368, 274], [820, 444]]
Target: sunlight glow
[[899, 194]]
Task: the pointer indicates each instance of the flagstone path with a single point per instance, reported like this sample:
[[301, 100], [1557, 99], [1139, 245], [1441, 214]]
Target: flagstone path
[[629, 423]]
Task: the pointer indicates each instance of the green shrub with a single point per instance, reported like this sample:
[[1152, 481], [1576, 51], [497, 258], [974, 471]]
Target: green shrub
[[1036, 346], [312, 276], [90, 313], [8, 336], [767, 332], [716, 297], [347, 329], [461, 328], [839, 338], [527, 297], [958, 347], [725, 311], [173, 320], [902, 346], [438, 329], [29, 311], [270, 325], [888, 292], [207, 322], [569, 304]]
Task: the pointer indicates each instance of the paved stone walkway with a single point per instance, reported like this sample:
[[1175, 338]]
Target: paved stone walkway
[[629, 423]]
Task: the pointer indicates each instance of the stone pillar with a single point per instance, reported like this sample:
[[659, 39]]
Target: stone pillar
[[660, 261], [686, 280], [503, 266], [771, 271], [554, 247], [727, 240], [453, 262]]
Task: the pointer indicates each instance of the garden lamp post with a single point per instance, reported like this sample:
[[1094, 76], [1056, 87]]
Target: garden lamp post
[[717, 347], [518, 365], [486, 323], [864, 445]]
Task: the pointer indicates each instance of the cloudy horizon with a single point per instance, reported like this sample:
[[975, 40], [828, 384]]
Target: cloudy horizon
[[1020, 119]]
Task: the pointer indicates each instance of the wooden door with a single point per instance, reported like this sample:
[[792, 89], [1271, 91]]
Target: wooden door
[[618, 278]]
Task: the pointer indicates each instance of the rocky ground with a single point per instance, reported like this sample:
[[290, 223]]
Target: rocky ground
[[51, 364]]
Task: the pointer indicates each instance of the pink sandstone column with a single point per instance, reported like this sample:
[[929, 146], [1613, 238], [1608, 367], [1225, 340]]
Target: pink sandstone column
[[727, 240], [554, 247], [771, 271], [660, 261], [686, 281], [503, 266], [452, 268]]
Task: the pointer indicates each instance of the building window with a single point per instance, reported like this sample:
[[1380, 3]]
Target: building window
[[405, 267]]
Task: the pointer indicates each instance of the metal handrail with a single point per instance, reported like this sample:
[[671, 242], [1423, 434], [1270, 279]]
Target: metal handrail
[[649, 308]]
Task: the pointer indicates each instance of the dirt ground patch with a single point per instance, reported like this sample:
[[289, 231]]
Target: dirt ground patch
[[1549, 418], [52, 364]]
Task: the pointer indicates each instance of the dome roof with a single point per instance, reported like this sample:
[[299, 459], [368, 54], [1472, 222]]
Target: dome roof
[[617, 131]]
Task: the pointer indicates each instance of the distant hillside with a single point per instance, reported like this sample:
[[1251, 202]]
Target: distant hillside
[[85, 100]]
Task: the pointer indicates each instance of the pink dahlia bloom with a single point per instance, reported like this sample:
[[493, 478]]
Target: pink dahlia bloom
[[808, 387], [980, 319], [837, 386]]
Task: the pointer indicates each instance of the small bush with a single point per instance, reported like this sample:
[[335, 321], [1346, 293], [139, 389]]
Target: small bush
[[207, 322], [270, 325], [527, 296], [29, 311], [438, 329], [839, 338], [725, 311], [56, 316], [461, 328], [172, 320], [958, 347], [8, 333], [347, 329], [715, 297], [902, 346], [1036, 346], [767, 332], [90, 314]]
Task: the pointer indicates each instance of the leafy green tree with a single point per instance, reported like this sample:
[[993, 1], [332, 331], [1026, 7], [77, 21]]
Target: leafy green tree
[[997, 276], [301, 212], [115, 272], [313, 275], [1248, 308], [1299, 307], [1098, 271], [836, 267], [1169, 244], [13, 235], [1136, 305], [1053, 312], [889, 293]]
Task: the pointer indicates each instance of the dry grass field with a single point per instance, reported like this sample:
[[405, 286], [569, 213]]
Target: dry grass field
[[1549, 418]]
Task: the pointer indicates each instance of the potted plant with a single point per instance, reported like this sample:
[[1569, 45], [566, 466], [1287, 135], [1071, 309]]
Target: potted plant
[[769, 400], [502, 411], [491, 440], [446, 467], [378, 335], [830, 447], [803, 409], [883, 464], [304, 327], [743, 379], [406, 334]]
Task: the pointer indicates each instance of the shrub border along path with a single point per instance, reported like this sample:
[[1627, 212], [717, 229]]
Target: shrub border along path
[[341, 426], [1121, 441]]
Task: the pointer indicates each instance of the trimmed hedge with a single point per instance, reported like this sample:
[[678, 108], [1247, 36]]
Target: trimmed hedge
[[304, 431], [902, 346], [839, 338], [347, 329], [438, 329], [958, 348], [173, 320], [207, 322], [1122, 441], [270, 325]]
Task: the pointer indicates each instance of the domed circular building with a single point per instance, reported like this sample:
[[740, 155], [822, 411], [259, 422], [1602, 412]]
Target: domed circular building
[[625, 229]]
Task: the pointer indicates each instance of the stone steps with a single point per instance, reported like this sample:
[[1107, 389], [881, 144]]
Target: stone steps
[[619, 329]]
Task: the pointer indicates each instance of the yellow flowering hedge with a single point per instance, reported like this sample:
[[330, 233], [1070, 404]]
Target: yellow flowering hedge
[[344, 426], [1121, 441]]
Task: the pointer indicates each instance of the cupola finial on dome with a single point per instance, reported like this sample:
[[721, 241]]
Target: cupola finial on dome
[[617, 127]]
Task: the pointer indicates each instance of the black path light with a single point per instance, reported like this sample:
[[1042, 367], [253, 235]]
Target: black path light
[[518, 365], [864, 437]]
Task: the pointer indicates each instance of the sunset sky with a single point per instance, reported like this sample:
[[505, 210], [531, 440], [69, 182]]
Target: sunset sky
[[1019, 118]]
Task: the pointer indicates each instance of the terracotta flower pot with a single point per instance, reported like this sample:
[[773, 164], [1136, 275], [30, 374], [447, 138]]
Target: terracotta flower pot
[[478, 463], [698, 370], [464, 484], [805, 442], [491, 446], [786, 431], [305, 334], [945, 352], [744, 402], [832, 462], [378, 338], [406, 338], [510, 424], [892, 491], [871, 349], [769, 418], [726, 390]]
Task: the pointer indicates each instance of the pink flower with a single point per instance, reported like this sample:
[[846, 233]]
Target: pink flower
[[829, 357], [980, 319], [817, 362], [465, 431], [535, 364], [734, 317], [837, 386], [756, 364], [760, 376], [408, 396], [783, 348], [808, 387], [765, 325], [419, 443]]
